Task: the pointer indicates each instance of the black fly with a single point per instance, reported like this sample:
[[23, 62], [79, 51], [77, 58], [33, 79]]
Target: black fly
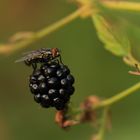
[[43, 55]]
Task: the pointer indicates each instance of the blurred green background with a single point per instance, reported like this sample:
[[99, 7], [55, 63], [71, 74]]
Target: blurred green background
[[97, 72]]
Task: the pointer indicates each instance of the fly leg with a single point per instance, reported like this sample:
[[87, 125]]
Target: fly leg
[[60, 59], [34, 65], [27, 63]]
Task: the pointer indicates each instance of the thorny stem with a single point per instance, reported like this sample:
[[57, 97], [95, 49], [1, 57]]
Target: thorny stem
[[121, 5]]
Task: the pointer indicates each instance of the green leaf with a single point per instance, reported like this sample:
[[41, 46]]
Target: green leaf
[[114, 40]]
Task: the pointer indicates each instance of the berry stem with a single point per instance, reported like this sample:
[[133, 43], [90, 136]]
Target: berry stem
[[110, 101], [43, 32], [118, 97], [121, 5]]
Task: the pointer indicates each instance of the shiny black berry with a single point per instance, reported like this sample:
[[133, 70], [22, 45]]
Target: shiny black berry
[[60, 74], [52, 85], [37, 98], [45, 101], [64, 94], [59, 103], [34, 88], [65, 69], [53, 93], [41, 78], [70, 78], [55, 65], [37, 73], [71, 90], [64, 82], [53, 82], [43, 87], [49, 72], [33, 79]]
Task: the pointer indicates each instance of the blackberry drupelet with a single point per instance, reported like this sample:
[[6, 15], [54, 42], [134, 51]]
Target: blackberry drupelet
[[52, 85]]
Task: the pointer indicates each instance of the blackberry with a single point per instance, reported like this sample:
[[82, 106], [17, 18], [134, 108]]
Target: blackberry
[[52, 85], [70, 78], [33, 80], [36, 73], [53, 82], [49, 71], [64, 82], [59, 103], [34, 88], [37, 98], [53, 93], [45, 101], [41, 78], [42, 87]]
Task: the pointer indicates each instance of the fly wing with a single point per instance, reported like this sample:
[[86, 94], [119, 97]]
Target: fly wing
[[27, 57], [35, 51], [21, 59], [33, 54], [29, 52]]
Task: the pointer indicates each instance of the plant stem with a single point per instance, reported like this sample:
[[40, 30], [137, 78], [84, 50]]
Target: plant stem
[[101, 133], [118, 97], [60, 23], [43, 32], [114, 99], [121, 5]]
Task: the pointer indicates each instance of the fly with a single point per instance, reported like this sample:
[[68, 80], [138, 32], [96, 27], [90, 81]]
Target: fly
[[43, 55]]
